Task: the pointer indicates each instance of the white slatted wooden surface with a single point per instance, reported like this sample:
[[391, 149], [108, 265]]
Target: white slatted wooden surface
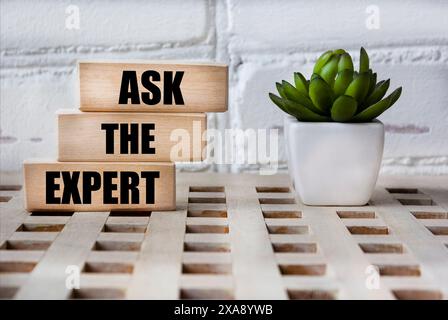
[[233, 237]]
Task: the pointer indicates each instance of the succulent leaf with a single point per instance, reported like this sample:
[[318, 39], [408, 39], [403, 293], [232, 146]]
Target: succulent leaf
[[379, 83], [313, 76], [339, 51], [372, 83], [343, 109], [303, 113], [278, 102], [322, 60], [363, 61], [293, 94], [378, 108], [301, 83], [395, 95], [359, 87], [344, 78], [321, 94], [378, 93], [280, 90], [345, 62], [328, 71]]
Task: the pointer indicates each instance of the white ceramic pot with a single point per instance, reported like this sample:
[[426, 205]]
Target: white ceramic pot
[[334, 163]]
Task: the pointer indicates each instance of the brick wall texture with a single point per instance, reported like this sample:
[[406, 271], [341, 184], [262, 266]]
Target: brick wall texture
[[262, 41]]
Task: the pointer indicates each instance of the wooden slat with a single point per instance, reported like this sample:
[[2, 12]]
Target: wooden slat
[[251, 247], [79, 235], [157, 271], [11, 217]]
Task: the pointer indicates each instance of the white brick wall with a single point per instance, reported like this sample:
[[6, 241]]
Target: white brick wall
[[37, 25], [262, 41]]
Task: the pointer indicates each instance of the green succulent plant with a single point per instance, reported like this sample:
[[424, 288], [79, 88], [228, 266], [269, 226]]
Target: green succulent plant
[[336, 92]]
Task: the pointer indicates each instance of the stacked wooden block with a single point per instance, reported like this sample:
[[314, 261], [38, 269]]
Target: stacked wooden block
[[118, 151]]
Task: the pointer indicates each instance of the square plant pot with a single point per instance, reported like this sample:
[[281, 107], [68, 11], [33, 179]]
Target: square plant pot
[[334, 163]]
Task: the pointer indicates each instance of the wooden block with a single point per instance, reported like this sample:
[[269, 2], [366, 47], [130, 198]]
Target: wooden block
[[90, 186], [153, 86], [94, 136]]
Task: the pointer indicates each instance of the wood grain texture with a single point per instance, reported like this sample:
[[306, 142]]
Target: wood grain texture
[[35, 185], [82, 139], [204, 87]]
